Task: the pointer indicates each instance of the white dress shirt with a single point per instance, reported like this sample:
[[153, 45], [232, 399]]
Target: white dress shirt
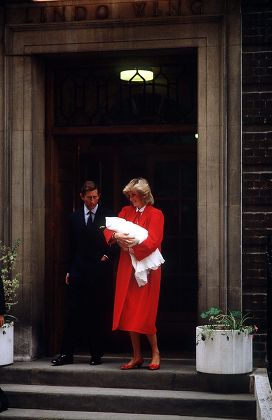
[[89, 213]]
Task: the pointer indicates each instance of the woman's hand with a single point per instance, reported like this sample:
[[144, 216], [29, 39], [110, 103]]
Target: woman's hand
[[124, 240]]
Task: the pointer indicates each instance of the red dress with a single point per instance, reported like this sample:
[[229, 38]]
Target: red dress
[[135, 308]]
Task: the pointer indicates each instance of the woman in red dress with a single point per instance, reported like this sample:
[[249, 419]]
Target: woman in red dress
[[135, 308]]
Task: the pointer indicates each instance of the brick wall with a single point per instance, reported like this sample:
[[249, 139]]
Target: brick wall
[[257, 160]]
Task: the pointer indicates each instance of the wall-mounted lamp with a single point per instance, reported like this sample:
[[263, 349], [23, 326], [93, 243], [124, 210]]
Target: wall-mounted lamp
[[136, 75]]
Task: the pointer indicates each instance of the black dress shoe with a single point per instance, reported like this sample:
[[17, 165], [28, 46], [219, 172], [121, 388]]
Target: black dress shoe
[[62, 359], [95, 360]]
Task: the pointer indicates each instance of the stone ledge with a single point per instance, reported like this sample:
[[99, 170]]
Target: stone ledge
[[263, 394]]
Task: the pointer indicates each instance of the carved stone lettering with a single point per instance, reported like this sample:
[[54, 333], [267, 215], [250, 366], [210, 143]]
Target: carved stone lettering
[[174, 8], [102, 12], [156, 11], [80, 13], [27, 18], [197, 7], [43, 15], [59, 14], [139, 8]]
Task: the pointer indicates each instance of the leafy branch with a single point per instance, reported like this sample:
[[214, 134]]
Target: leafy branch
[[232, 320], [8, 257]]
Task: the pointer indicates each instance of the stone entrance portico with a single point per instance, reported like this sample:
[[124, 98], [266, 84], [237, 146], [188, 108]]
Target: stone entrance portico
[[33, 33]]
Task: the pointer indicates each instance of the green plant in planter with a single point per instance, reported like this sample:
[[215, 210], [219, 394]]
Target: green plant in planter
[[231, 321], [10, 278]]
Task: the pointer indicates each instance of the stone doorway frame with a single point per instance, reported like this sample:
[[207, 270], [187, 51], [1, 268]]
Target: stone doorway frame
[[217, 39]]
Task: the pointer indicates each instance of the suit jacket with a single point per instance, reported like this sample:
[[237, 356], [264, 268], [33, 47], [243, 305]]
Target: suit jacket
[[2, 299], [88, 245]]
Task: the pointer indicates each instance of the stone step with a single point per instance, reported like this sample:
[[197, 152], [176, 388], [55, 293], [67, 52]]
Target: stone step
[[120, 400], [34, 414], [175, 374]]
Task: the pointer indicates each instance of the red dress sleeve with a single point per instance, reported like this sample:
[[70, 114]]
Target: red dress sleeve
[[154, 226]]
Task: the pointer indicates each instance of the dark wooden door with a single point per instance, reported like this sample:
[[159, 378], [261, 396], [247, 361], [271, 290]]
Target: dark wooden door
[[102, 128], [168, 161]]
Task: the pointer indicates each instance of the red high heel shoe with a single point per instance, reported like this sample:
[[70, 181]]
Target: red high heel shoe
[[137, 364], [154, 366]]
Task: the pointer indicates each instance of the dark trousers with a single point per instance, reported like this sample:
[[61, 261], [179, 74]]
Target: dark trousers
[[84, 316]]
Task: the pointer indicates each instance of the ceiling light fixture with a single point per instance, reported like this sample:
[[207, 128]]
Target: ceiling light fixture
[[136, 75]]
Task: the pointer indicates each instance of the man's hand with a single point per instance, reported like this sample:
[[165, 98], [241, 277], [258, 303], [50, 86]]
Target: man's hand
[[2, 320], [67, 278]]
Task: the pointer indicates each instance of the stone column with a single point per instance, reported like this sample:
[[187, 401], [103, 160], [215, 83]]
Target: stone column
[[233, 152], [2, 129], [25, 173]]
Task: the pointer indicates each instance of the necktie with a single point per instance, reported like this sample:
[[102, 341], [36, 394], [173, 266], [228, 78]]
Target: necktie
[[90, 219]]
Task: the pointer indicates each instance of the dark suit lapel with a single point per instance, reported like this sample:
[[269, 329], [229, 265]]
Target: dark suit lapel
[[98, 215], [81, 218]]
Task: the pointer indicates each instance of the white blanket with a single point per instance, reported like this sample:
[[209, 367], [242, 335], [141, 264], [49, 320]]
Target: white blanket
[[152, 262]]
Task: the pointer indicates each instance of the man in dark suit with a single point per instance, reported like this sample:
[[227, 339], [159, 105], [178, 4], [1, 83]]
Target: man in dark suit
[[87, 278]]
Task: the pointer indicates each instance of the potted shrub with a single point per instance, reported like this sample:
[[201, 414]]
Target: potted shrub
[[224, 343], [10, 279]]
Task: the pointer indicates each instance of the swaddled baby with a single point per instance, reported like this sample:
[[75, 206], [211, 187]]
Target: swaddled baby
[[152, 262]]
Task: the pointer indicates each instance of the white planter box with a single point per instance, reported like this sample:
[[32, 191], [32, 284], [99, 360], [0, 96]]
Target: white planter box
[[6, 344], [224, 352]]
